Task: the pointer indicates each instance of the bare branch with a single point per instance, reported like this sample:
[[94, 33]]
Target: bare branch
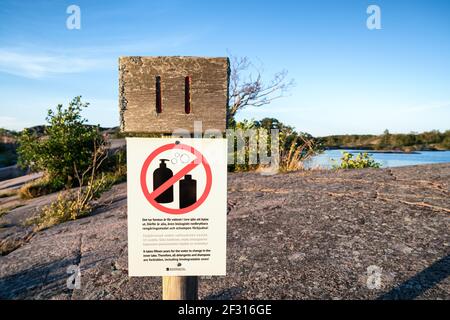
[[247, 87]]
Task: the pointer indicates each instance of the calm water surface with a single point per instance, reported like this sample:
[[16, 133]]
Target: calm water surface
[[331, 157]]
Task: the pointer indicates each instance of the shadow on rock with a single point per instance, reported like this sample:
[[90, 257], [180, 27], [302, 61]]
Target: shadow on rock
[[421, 282], [226, 294]]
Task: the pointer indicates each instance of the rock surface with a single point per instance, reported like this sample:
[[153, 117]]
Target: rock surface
[[306, 235]]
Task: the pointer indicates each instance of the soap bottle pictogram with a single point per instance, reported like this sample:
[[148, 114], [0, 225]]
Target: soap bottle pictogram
[[161, 175], [188, 191]]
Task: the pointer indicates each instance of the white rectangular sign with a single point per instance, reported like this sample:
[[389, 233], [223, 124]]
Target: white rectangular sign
[[177, 206]]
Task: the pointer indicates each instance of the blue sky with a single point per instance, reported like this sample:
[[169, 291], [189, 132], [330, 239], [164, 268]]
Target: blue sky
[[349, 79]]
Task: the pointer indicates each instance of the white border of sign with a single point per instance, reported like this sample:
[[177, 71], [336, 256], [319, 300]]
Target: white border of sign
[[188, 244]]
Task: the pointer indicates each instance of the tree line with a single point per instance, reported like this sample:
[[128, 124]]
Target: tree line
[[429, 140]]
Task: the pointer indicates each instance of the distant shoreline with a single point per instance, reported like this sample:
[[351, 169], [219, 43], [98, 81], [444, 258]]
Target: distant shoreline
[[385, 151]]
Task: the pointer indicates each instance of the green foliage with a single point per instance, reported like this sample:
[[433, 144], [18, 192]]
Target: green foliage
[[115, 163], [446, 142], [294, 147], [72, 205], [77, 203], [8, 133], [64, 208], [241, 167], [38, 187], [362, 160], [431, 140], [292, 159], [67, 146]]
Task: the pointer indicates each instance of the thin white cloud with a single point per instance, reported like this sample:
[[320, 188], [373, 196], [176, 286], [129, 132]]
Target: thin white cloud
[[426, 107], [31, 65], [12, 123], [34, 61], [138, 47]]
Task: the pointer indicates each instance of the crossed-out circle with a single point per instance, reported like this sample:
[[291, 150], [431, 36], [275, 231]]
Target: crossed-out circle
[[198, 156]]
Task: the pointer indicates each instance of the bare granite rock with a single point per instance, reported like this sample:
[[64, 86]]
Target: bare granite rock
[[304, 235]]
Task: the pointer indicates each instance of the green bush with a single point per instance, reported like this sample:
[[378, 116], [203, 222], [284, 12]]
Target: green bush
[[242, 167], [65, 208], [72, 205], [294, 147], [67, 146], [362, 160], [38, 188], [446, 143]]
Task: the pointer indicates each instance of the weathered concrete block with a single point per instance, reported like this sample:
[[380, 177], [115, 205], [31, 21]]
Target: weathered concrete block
[[160, 94]]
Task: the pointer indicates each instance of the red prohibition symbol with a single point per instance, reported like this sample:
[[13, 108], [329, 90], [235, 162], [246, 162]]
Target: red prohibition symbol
[[199, 159]]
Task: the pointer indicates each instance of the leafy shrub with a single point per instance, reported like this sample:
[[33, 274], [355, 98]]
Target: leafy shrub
[[38, 187], [446, 143], [115, 163], [294, 147], [64, 208], [362, 160], [73, 205], [68, 145], [246, 166], [70, 204]]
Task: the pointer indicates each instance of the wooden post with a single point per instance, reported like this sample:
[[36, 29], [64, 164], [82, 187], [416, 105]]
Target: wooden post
[[180, 288], [155, 96]]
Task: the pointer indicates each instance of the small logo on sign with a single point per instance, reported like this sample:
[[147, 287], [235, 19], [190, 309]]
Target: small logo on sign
[[177, 268]]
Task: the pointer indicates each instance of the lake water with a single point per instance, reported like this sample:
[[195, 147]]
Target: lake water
[[331, 157]]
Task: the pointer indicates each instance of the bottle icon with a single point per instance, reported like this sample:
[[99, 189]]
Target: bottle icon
[[161, 175], [188, 191]]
